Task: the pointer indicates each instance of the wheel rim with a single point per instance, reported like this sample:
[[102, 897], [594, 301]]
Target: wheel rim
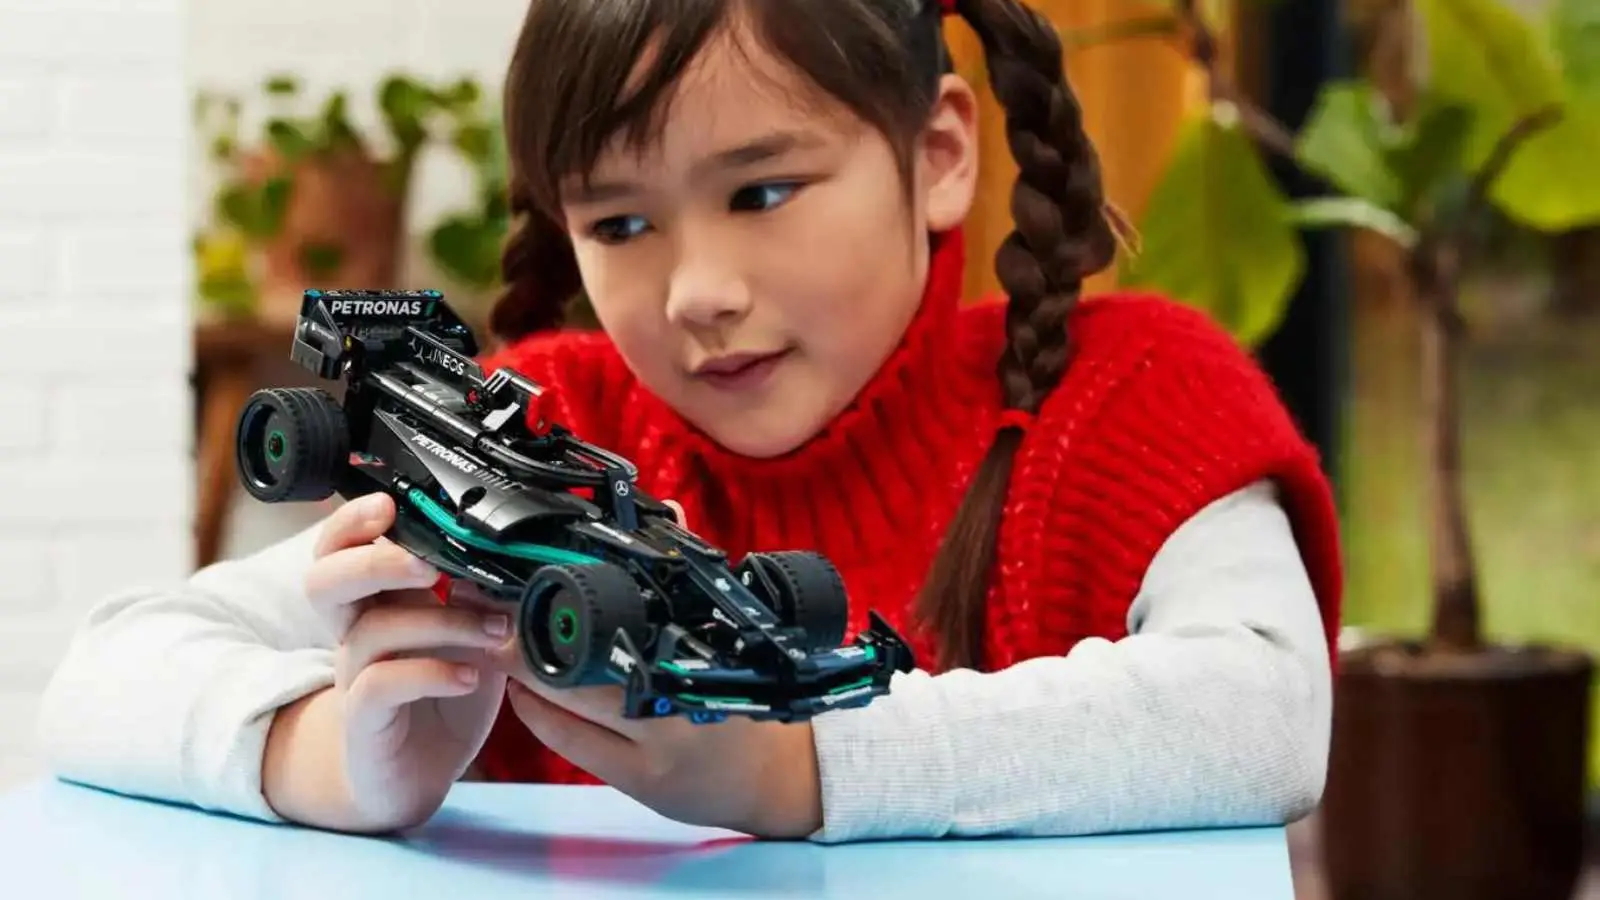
[[564, 626], [553, 627], [266, 448]]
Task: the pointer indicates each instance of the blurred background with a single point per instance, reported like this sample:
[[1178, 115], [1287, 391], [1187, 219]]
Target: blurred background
[[1313, 173]]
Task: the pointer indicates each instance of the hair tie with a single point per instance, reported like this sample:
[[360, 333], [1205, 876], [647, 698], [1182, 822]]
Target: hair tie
[[1020, 419], [947, 7]]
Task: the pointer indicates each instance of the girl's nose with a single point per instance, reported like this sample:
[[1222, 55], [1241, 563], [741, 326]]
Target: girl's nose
[[703, 298]]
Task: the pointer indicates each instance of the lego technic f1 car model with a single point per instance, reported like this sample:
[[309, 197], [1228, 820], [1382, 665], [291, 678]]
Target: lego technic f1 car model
[[611, 589]]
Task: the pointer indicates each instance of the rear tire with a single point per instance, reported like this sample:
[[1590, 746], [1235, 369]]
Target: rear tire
[[805, 590], [570, 615], [291, 444]]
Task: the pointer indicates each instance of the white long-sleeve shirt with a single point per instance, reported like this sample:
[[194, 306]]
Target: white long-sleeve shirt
[[1214, 711]]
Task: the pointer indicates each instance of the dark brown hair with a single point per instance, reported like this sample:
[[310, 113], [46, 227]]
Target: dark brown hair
[[574, 85]]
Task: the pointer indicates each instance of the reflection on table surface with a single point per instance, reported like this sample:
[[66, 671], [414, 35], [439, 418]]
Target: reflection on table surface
[[65, 841]]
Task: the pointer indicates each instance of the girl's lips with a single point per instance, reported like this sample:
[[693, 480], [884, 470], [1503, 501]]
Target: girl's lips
[[739, 371]]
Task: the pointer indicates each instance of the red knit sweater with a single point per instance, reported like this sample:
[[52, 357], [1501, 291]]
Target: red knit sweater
[[1160, 414]]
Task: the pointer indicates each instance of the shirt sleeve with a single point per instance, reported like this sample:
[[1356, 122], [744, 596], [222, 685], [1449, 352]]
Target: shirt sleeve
[[168, 692], [1214, 711]]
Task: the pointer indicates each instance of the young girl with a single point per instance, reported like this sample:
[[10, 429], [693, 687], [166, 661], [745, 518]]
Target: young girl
[[1114, 555]]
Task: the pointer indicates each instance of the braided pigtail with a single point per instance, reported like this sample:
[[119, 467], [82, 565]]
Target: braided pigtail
[[538, 272], [1063, 233]]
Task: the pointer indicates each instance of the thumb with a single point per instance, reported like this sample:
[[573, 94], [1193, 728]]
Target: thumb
[[677, 510]]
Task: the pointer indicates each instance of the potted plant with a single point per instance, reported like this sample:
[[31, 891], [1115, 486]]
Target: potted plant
[[312, 200], [1459, 764], [466, 244]]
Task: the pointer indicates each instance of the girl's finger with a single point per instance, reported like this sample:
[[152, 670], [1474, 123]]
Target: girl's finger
[[678, 513], [345, 577], [469, 596], [385, 631], [361, 521], [379, 690]]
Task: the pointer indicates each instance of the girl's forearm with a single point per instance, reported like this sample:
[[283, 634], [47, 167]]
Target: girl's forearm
[[168, 691], [1214, 712]]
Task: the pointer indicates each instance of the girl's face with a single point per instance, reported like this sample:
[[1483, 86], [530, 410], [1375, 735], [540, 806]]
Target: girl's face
[[758, 263]]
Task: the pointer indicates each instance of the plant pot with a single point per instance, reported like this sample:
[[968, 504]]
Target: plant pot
[[342, 228], [1457, 776]]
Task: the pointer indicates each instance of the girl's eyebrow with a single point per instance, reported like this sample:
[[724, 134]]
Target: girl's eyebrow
[[763, 148], [759, 150]]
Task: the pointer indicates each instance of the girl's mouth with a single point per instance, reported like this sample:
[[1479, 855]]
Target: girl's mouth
[[739, 371]]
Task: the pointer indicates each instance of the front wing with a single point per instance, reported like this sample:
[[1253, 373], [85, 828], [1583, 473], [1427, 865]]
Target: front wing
[[705, 692]]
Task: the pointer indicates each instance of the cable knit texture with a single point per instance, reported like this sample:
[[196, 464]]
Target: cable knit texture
[[1160, 413]]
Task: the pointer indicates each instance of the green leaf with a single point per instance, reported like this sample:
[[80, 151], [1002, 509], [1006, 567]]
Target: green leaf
[[474, 142], [289, 139], [275, 193], [1343, 142], [256, 211], [461, 95], [1483, 54], [1574, 27], [468, 249], [282, 85], [1428, 152], [229, 295], [320, 260], [405, 106], [1218, 233], [235, 206], [336, 127], [1552, 182], [1353, 212]]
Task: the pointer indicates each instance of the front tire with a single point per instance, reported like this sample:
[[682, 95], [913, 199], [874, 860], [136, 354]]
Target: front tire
[[291, 444], [570, 615], [805, 590]]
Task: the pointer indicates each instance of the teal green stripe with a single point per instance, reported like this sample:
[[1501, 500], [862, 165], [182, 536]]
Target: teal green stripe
[[535, 552], [852, 685]]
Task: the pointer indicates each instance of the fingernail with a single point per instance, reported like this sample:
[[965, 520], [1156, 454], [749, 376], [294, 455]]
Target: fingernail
[[467, 674], [497, 626]]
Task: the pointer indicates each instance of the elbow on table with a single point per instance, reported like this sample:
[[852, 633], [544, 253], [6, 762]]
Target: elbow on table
[[1296, 791], [94, 713], [1289, 771], [65, 731]]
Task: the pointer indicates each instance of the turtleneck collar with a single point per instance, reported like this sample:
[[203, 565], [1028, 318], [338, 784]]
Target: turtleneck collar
[[852, 488]]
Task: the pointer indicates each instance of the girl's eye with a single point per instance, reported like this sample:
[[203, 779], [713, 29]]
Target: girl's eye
[[617, 229], [758, 197]]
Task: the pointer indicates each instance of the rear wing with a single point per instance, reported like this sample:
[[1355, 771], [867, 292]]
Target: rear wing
[[381, 322]]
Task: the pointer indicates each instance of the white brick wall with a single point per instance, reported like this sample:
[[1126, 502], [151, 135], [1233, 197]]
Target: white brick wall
[[92, 281], [96, 203]]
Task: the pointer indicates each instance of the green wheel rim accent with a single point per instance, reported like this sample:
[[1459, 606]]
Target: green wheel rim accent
[[276, 442], [566, 629], [536, 552]]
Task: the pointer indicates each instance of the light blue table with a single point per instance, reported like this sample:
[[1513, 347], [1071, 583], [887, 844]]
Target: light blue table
[[65, 842]]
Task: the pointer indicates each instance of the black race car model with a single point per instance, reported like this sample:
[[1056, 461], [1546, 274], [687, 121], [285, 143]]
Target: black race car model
[[611, 589]]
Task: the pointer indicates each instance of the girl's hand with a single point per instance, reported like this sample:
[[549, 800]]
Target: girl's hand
[[756, 778], [415, 689], [759, 778]]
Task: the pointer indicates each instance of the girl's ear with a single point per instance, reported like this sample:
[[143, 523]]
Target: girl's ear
[[948, 155]]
